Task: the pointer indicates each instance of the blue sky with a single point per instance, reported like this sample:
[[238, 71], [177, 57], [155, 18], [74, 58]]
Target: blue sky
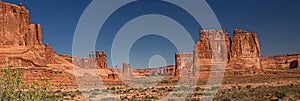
[[275, 21]]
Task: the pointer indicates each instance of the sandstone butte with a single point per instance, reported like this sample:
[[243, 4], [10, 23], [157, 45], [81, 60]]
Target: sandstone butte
[[21, 47]]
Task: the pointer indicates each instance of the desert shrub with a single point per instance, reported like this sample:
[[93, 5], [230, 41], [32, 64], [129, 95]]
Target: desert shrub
[[105, 90], [197, 88], [164, 81], [12, 87], [260, 99], [161, 88], [226, 99], [248, 86], [239, 87], [153, 91], [215, 88], [233, 87], [113, 88], [280, 94], [194, 99]]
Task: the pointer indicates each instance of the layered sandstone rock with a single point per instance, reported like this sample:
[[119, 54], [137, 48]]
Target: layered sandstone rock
[[57, 77], [20, 41], [212, 48], [282, 62], [100, 62], [166, 70], [215, 51], [184, 64], [125, 72], [245, 52], [21, 46], [15, 25], [141, 73]]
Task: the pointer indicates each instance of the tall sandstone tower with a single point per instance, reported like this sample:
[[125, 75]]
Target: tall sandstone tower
[[21, 47], [20, 41], [215, 47], [245, 52], [15, 27]]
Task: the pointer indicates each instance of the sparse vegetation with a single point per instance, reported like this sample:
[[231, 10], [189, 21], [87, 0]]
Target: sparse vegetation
[[14, 89], [280, 95]]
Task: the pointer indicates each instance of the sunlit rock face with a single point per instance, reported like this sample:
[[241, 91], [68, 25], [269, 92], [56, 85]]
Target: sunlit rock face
[[184, 64], [245, 51], [215, 49], [212, 48], [21, 47], [20, 41], [282, 62]]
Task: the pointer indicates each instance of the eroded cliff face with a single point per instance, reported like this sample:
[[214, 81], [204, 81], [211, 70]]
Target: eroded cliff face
[[14, 22], [245, 52], [97, 61], [20, 41], [21, 47], [212, 48], [215, 50], [282, 62]]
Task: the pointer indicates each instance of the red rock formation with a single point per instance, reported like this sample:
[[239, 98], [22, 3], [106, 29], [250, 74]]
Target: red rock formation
[[14, 22], [184, 64], [101, 60], [124, 72], [245, 52], [21, 46], [20, 41], [57, 77], [281, 62], [213, 46]]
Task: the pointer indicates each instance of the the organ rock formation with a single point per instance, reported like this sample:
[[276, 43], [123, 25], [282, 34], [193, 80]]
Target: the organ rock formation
[[245, 51], [214, 48]]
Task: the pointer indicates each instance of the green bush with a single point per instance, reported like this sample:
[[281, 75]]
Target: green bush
[[280, 94], [248, 86], [12, 87], [113, 88], [226, 99]]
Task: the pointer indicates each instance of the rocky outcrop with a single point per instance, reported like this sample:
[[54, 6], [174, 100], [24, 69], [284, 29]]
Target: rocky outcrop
[[184, 62], [141, 73], [215, 48], [245, 52], [21, 47], [125, 72], [20, 41], [282, 62], [15, 28], [57, 77], [14, 24], [100, 62], [211, 40]]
